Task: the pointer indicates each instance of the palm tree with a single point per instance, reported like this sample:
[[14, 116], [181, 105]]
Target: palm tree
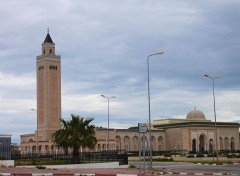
[[76, 133]]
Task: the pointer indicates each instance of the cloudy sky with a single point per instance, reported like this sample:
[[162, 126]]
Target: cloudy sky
[[104, 47]]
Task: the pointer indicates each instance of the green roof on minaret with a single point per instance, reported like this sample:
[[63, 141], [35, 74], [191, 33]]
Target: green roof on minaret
[[48, 38]]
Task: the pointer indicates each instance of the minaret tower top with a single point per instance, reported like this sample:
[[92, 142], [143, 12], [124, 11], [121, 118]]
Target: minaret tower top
[[48, 47]]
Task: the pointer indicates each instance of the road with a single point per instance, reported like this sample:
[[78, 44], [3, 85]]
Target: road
[[189, 167]]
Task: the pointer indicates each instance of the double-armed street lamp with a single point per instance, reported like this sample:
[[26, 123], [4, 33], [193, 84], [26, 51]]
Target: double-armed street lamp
[[108, 98], [214, 107], [149, 106]]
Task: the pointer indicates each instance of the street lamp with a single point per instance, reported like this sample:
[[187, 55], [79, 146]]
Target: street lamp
[[214, 106], [149, 107], [108, 98], [36, 133]]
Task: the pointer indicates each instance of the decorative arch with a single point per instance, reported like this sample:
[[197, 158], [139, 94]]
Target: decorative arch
[[99, 147], [34, 148], [46, 148], [232, 144], [153, 142], [126, 143], [211, 145], [104, 147], [160, 143], [135, 143], [226, 143], [202, 142], [118, 143], [221, 143], [30, 140], [194, 144]]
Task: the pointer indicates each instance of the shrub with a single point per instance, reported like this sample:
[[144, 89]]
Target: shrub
[[200, 155], [190, 156], [163, 159], [41, 167], [167, 155], [132, 166]]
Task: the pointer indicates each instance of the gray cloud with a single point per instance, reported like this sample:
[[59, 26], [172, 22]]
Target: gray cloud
[[104, 46]]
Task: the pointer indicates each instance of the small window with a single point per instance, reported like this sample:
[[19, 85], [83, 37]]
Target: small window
[[41, 67]]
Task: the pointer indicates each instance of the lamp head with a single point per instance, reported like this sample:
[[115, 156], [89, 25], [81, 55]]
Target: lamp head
[[157, 53], [161, 52]]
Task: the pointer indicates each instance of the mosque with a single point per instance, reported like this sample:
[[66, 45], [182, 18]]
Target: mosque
[[195, 133]]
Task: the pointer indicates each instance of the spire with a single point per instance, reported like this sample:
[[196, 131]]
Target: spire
[[48, 38]]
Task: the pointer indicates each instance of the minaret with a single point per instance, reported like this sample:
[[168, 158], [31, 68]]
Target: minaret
[[48, 91]]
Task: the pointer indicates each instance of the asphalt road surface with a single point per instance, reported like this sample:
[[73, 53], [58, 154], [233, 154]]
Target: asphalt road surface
[[189, 167]]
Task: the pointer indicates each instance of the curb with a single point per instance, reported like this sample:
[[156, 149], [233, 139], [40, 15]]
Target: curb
[[197, 173], [78, 174]]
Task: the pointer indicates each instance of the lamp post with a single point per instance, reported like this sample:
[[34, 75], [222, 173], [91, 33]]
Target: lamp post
[[108, 98], [214, 106], [36, 133], [149, 107]]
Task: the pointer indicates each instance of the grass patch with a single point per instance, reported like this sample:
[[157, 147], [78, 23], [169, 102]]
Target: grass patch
[[164, 159]]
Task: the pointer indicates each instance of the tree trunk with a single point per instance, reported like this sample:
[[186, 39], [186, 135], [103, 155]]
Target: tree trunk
[[75, 159]]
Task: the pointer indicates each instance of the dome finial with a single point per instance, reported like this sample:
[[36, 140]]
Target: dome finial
[[195, 108], [48, 30]]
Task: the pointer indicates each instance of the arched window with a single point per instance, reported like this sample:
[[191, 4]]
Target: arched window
[[226, 143], [160, 143], [211, 145], [153, 142], [232, 145], [201, 143], [135, 143], [221, 143], [127, 143], [118, 143], [99, 147]]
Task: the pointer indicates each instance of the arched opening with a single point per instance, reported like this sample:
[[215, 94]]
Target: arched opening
[[211, 145], [104, 147], [153, 141], [221, 143], [201, 144], [127, 143], [40, 149], [135, 143], [160, 143], [118, 143], [232, 144], [194, 146], [226, 143]]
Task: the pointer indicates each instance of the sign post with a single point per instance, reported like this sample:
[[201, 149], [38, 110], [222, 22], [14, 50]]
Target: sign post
[[142, 128]]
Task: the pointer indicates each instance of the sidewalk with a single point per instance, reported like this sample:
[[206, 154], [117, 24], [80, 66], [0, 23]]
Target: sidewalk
[[95, 172]]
